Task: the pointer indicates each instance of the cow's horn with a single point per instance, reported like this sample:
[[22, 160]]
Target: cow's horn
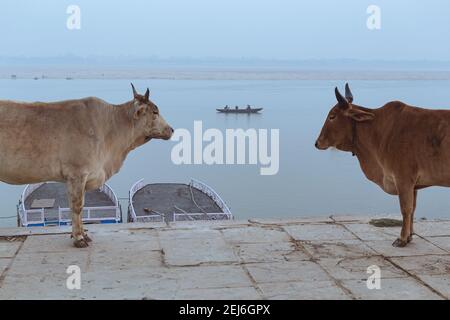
[[348, 93], [342, 101], [135, 94], [147, 94]]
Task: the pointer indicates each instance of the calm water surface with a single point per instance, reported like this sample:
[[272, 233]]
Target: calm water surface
[[309, 182]]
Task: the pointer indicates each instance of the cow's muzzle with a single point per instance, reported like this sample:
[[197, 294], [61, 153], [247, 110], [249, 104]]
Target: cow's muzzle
[[168, 133], [320, 146]]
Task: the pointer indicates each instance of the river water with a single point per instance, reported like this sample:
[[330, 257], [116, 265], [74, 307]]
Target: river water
[[308, 183]]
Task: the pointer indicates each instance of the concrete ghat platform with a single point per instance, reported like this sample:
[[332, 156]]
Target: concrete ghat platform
[[305, 258]]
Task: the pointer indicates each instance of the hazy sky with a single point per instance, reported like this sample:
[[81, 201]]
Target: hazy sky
[[269, 29]]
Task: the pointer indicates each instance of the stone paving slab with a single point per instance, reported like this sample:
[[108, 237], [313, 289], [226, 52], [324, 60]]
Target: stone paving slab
[[270, 252], [287, 271], [294, 258], [441, 242], [441, 283], [4, 262], [239, 293], [391, 289], [347, 218], [304, 290], [337, 249], [367, 232], [254, 235], [311, 232], [126, 240], [213, 224], [288, 221], [432, 228], [8, 248], [206, 246], [5, 232], [356, 268], [425, 265], [418, 247]]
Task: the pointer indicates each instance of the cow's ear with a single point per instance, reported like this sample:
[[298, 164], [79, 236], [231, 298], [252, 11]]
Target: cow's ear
[[342, 102], [359, 115], [139, 110]]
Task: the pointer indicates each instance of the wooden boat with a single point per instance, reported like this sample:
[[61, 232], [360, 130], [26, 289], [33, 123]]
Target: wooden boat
[[170, 202], [238, 110], [47, 203]]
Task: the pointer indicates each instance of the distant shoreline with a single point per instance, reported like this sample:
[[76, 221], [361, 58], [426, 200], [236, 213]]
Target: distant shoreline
[[206, 73]]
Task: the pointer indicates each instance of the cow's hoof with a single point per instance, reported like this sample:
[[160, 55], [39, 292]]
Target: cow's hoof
[[82, 243], [87, 238], [410, 238], [399, 243]]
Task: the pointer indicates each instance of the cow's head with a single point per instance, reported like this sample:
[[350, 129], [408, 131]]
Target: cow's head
[[337, 130], [148, 122]]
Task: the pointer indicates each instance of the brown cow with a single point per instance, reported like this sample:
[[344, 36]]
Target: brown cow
[[399, 147], [81, 142]]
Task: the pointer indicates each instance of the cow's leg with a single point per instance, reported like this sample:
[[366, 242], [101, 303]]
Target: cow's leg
[[406, 196], [76, 188], [411, 228], [83, 231]]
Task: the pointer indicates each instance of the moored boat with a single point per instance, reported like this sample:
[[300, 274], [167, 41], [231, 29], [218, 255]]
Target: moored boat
[[45, 204], [170, 202]]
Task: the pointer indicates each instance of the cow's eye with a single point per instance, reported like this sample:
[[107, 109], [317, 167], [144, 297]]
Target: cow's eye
[[332, 116]]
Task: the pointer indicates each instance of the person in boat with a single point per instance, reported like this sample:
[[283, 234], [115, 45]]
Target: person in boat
[[236, 107], [248, 107], [226, 107]]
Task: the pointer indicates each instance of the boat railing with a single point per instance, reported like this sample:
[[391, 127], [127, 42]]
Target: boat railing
[[106, 189], [152, 217], [203, 187], [88, 214], [33, 216], [23, 212], [29, 189], [113, 197]]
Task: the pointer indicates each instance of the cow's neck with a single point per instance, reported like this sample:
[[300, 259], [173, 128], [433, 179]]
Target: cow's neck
[[120, 138], [366, 142]]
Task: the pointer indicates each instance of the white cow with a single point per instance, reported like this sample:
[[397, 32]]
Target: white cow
[[80, 142]]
